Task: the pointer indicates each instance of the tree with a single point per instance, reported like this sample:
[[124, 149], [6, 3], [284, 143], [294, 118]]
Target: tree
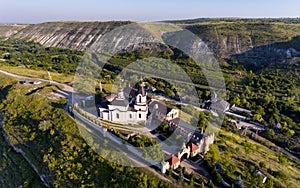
[[168, 92], [203, 119], [192, 180], [257, 117], [262, 164], [206, 95], [218, 177], [200, 93], [236, 100], [170, 172], [210, 183], [270, 133], [282, 160], [238, 182], [183, 170], [180, 177], [270, 182], [213, 155], [202, 185], [260, 110], [100, 94]]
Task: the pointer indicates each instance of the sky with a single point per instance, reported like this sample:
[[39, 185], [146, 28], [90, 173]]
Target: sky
[[37, 11]]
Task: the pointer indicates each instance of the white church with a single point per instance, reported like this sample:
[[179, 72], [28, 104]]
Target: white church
[[132, 108]]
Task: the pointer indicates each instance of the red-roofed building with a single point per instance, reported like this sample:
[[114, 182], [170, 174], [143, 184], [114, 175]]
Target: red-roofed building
[[194, 149], [174, 162]]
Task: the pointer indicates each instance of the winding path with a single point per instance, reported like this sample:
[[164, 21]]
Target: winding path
[[66, 87]]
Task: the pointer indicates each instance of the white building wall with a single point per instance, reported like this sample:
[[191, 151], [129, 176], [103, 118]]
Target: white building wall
[[141, 116], [105, 116], [140, 108], [119, 116], [131, 117], [141, 99]]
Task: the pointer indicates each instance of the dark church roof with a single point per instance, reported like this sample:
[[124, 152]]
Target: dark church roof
[[130, 91], [120, 102], [162, 108]]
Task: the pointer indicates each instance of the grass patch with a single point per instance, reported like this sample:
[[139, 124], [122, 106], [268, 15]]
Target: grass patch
[[22, 71], [242, 151]]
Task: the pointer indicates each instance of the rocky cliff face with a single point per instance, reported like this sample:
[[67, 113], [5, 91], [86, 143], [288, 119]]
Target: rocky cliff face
[[228, 39], [72, 35], [237, 40], [8, 30], [283, 53]]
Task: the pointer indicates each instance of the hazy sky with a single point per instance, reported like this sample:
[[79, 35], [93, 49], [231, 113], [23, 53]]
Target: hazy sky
[[34, 11]]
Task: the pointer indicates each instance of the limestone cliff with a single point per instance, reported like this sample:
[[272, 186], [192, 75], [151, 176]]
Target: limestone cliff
[[228, 39], [7, 30], [72, 35], [241, 41]]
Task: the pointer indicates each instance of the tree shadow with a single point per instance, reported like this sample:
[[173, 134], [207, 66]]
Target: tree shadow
[[4, 92]]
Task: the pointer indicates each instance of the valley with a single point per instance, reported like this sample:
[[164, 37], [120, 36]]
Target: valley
[[259, 59]]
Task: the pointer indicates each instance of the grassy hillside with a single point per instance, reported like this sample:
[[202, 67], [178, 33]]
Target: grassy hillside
[[242, 156], [14, 170], [36, 124]]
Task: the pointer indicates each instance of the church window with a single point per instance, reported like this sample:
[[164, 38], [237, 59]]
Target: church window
[[140, 99], [118, 116], [140, 116], [130, 116]]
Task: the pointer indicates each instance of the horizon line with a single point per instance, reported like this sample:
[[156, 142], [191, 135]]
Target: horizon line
[[164, 20]]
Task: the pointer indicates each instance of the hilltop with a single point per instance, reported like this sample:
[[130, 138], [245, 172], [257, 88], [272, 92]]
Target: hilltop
[[7, 30], [230, 39]]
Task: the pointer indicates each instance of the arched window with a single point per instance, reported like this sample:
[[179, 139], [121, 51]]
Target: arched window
[[140, 98], [140, 116], [118, 116], [130, 116]]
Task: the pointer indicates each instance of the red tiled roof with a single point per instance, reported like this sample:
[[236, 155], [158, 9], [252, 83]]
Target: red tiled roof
[[193, 147], [173, 160]]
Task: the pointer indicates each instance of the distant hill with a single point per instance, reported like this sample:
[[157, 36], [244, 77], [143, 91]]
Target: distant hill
[[226, 37], [7, 30], [72, 35], [248, 20]]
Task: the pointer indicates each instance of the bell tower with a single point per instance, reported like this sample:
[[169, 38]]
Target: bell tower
[[141, 105], [141, 98]]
